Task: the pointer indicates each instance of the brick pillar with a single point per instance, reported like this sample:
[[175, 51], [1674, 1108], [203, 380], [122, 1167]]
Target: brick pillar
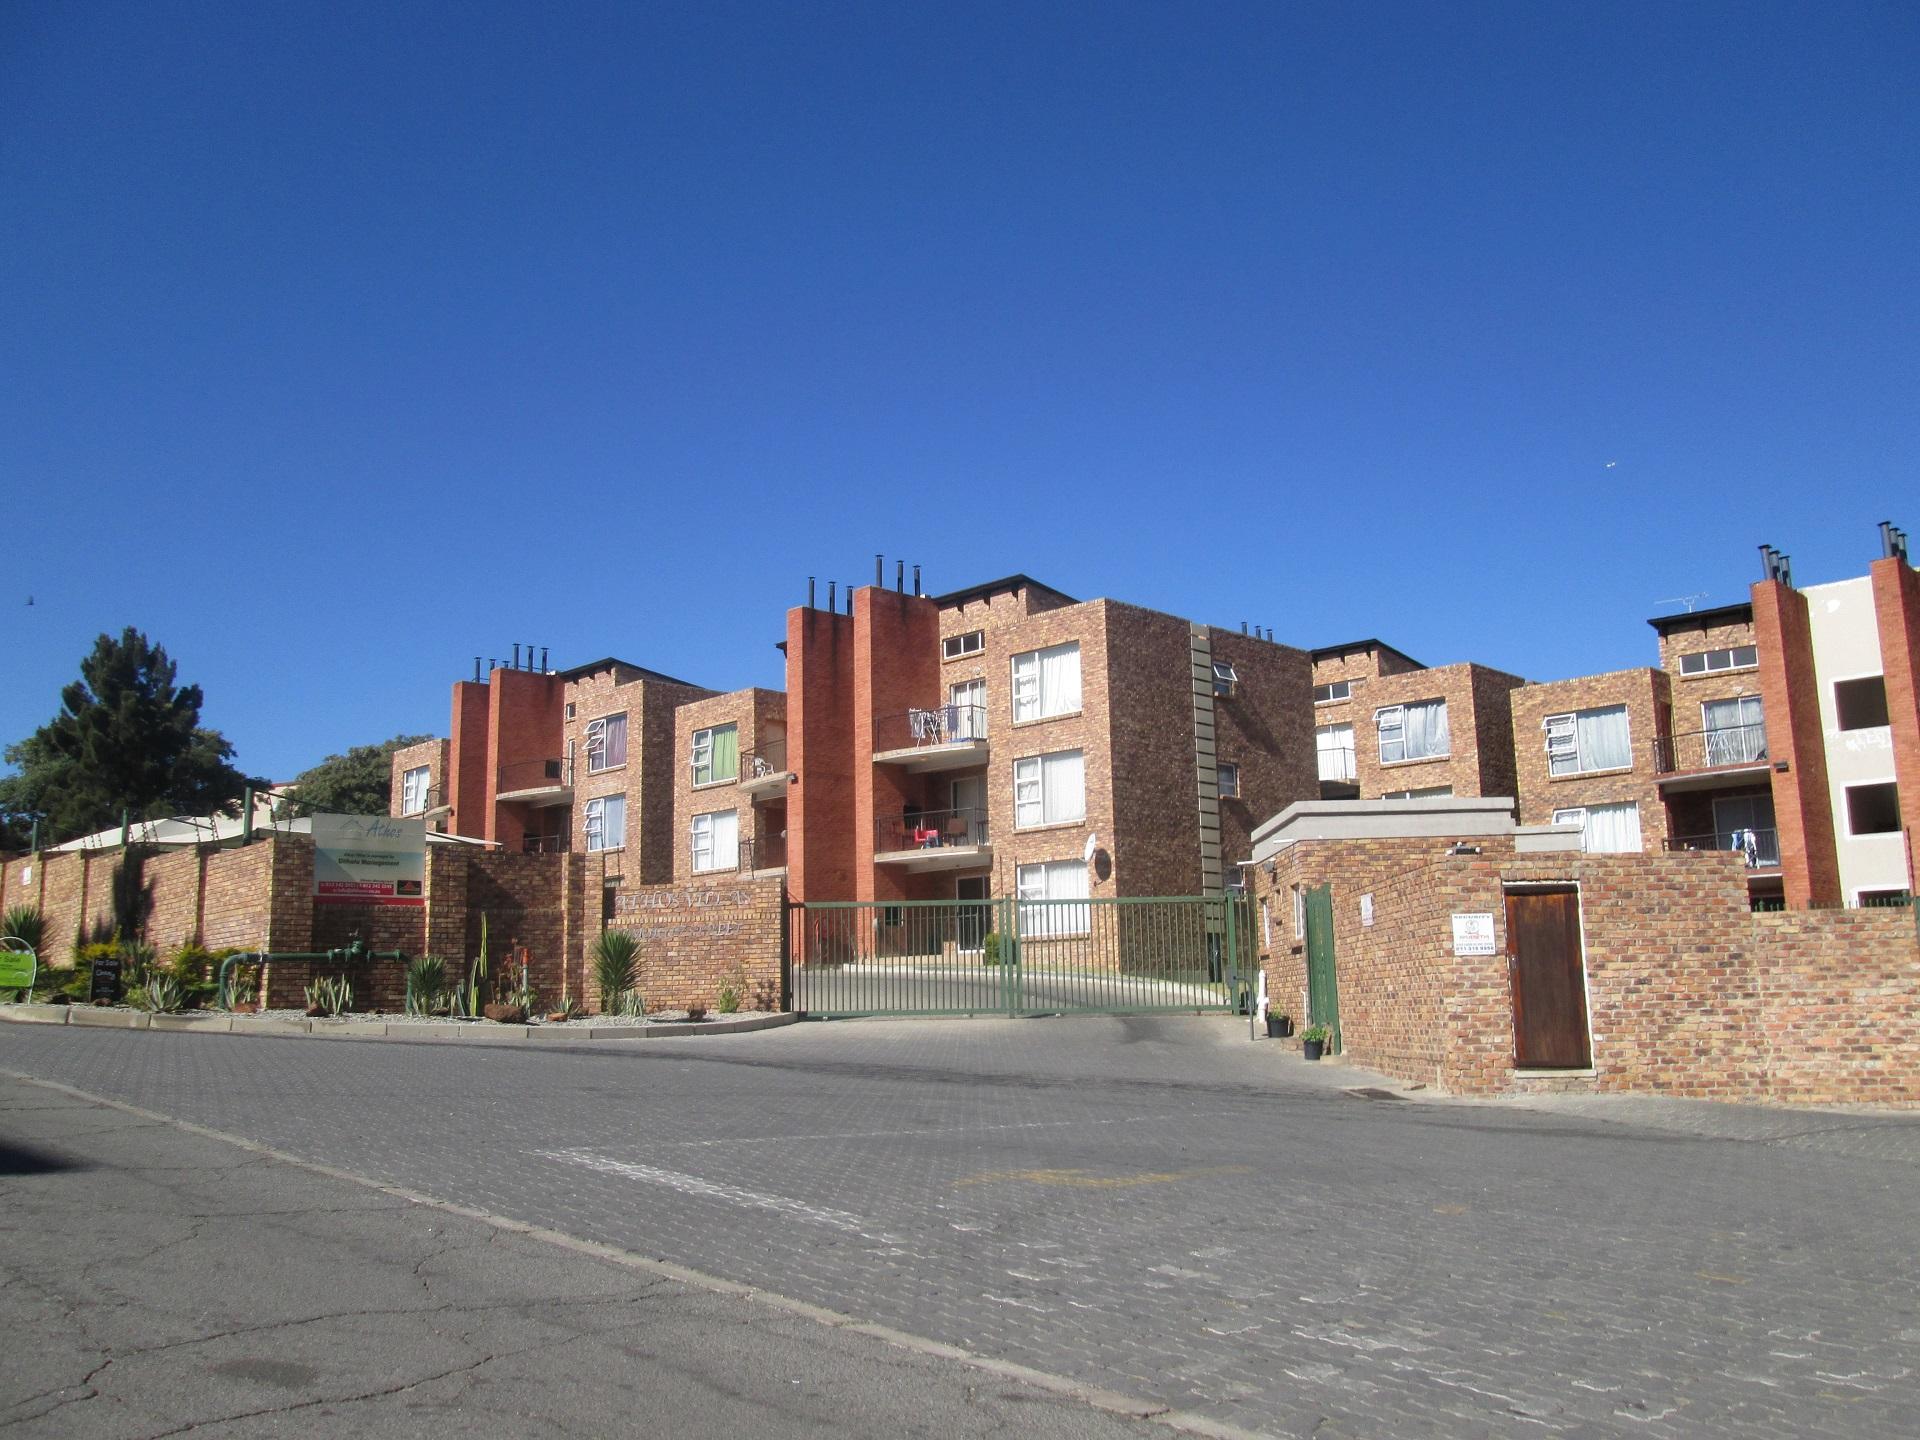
[[1896, 604], [820, 753], [466, 767], [896, 660], [1802, 803]]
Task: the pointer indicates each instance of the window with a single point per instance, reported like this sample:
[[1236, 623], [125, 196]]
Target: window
[[1226, 679], [1046, 682], [716, 841], [1604, 829], [1736, 731], [413, 790], [1299, 912], [1883, 899], [1049, 789], [1042, 889], [607, 823], [968, 700], [1333, 690], [1266, 923], [716, 755], [1873, 809], [1335, 746], [606, 743], [570, 709], [1588, 740], [971, 643], [1707, 662], [1415, 731], [1430, 792], [1861, 704], [1229, 781]]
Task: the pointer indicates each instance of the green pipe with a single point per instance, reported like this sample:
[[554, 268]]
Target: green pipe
[[355, 953]]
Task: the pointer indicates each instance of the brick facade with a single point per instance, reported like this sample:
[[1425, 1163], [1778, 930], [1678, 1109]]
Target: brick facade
[[430, 754], [1896, 602], [647, 776], [759, 718], [1645, 694], [1480, 760], [695, 937], [1802, 809]]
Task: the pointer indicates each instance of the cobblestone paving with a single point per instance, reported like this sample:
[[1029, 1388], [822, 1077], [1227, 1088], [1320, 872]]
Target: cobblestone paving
[[1161, 1208]]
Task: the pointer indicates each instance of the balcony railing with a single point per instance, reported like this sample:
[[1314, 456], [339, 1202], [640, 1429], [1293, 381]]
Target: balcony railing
[[1337, 763], [935, 725], [544, 845], [765, 761], [519, 775], [1760, 846], [931, 830], [433, 800], [767, 854], [1711, 749]]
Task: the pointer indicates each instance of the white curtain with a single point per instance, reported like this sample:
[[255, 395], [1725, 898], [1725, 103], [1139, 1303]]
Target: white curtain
[[1612, 829], [1735, 732], [1056, 881], [1604, 740], [1425, 728], [1064, 787], [1335, 744], [1060, 680]]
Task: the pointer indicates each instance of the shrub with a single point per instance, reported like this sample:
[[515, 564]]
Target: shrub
[[426, 984], [733, 990], [616, 961], [990, 948], [162, 996], [25, 923]]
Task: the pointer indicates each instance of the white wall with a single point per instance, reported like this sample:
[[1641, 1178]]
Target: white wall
[[1846, 646]]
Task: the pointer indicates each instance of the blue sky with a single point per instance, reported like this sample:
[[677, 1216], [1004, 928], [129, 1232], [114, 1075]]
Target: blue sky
[[340, 344]]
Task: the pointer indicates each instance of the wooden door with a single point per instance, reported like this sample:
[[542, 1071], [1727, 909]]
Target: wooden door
[[1548, 979]]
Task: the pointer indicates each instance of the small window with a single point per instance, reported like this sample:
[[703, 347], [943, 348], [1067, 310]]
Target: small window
[[1049, 789], [1046, 682], [716, 755], [1334, 746], [1708, 662], [891, 915], [1333, 690], [413, 790], [1873, 809], [1229, 781], [1414, 731], [1605, 829], [971, 643], [1043, 888], [570, 709], [1861, 704], [1588, 740], [606, 743], [1299, 912], [1225, 679], [606, 823], [716, 841], [1884, 899]]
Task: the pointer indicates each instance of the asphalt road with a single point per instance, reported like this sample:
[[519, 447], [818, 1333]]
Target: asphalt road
[[1159, 1208]]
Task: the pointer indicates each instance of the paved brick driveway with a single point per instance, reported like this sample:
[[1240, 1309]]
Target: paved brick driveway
[[1161, 1208]]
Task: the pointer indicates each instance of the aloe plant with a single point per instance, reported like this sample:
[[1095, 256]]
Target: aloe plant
[[25, 923], [426, 984], [163, 995], [616, 957], [331, 994]]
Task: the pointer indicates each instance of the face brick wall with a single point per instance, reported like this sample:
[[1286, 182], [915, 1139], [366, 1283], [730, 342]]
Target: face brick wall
[[1479, 723], [1265, 728], [646, 779], [1896, 603], [429, 753], [759, 717], [695, 937], [1540, 792], [820, 752], [1803, 813]]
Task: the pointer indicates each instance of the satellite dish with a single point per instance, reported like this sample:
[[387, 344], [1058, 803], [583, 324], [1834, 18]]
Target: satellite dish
[[1092, 844]]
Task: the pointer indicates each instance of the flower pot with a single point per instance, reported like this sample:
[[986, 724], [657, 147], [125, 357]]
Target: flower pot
[[1312, 1049], [1279, 1026]]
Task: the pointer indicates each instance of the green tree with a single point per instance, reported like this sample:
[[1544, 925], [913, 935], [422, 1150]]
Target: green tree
[[359, 782], [127, 739]]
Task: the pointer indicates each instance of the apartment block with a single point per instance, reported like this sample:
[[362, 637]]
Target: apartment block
[[1587, 751], [419, 783], [1009, 739], [1389, 728], [730, 786]]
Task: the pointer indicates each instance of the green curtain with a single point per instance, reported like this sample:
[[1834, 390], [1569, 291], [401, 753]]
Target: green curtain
[[726, 753]]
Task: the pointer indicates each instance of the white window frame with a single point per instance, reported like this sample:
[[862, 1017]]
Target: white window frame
[[597, 742], [1563, 741], [1030, 790], [413, 799], [703, 842], [1057, 921], [1030, 702], [1299, 912], [958, 647], [1577, 815], [1337, 690], [1226, 679], [596, 823], [1725, 654], [1348, 750], [703, 740], [1423, 792], [1227, 779], [1393, 718]]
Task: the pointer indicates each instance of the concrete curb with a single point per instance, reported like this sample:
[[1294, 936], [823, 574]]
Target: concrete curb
[[469, 1033]]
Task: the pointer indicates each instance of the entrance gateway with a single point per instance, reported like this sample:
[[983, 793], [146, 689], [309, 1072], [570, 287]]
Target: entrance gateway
[[977, 955]]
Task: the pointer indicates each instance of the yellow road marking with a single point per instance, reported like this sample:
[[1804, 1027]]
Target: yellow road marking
[[1081, 1179]]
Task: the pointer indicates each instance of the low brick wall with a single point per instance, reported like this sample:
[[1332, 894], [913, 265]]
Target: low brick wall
[[693, 937], [1689, 992]]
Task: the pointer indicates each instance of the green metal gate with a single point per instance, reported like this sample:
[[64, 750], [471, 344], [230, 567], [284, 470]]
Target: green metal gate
[[1323, 989], [1190, 954]]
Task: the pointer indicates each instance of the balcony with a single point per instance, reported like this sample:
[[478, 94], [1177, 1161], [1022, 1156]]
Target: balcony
[[934, 840], [430, 805], [1760, 846], [764, 858], [544, 845], [763, 772], [536, 783], [942, 737], [1705, 759]]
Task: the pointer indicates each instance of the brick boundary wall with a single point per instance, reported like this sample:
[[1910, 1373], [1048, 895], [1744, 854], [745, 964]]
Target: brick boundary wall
[[693, 937], [1690, 993]]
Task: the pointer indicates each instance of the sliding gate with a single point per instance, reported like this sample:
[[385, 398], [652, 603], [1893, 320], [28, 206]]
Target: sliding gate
[[1020, 957]]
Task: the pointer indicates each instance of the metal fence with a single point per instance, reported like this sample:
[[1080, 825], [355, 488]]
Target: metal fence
[[1020, 957]]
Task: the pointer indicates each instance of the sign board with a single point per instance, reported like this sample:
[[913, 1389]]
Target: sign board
[[1473, 934], [17, 966], [1366, 908], [369, 860], [104, 983]]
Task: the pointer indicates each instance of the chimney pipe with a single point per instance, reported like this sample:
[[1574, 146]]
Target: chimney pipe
[[476, 669], [849, 597], [1893, 541], [899, 577], [916, 579], [833, 596], [809, 592], [516, 657], [543, 658], [879, 571], [1243, 627]]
